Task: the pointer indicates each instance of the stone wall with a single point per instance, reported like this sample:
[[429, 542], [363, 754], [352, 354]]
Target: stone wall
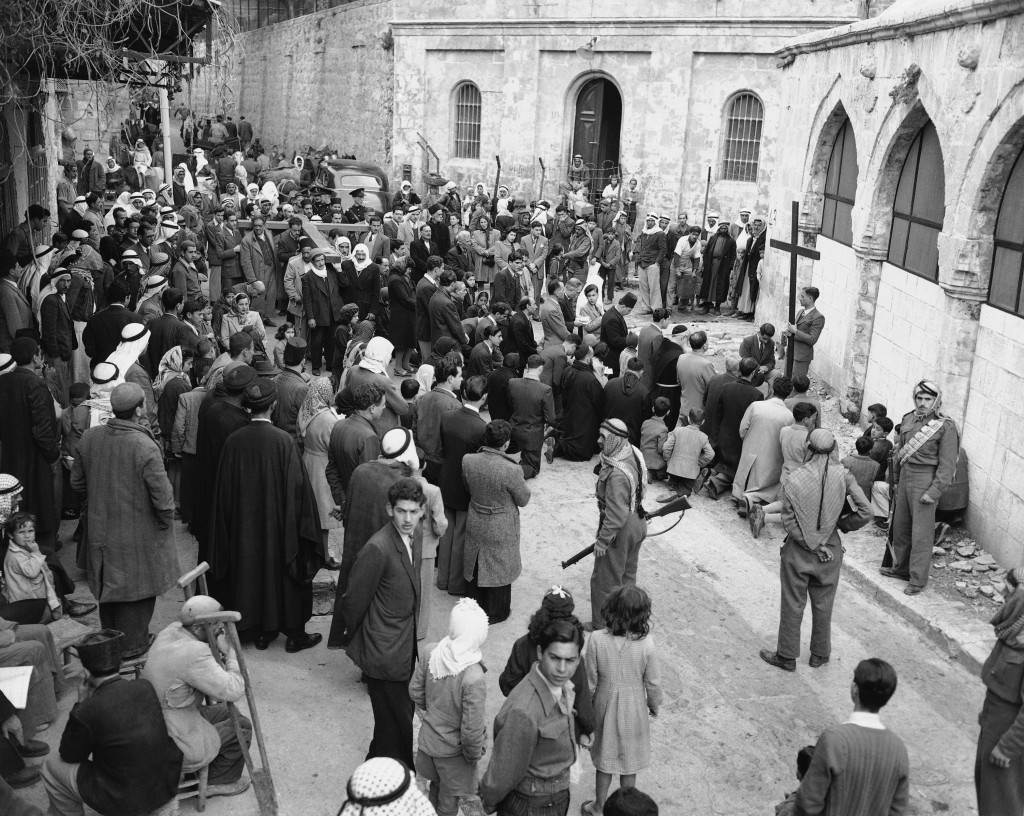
[[322, 79], [993, 434], [960, 67], [675, 75], [836, 276], [904, 347]]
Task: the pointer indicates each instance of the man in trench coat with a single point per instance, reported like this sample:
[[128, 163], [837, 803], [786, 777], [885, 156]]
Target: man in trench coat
[[129, 555]]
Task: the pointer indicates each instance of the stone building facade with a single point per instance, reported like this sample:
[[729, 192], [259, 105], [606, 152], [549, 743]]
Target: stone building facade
[[920, 272], [384, 79]]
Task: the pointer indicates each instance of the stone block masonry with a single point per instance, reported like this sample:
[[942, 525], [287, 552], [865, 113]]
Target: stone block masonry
[[321, 79]]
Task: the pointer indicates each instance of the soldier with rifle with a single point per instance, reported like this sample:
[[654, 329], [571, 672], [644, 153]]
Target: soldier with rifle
[[622, 528]]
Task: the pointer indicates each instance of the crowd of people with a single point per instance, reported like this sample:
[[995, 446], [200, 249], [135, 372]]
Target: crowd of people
[[163, 368]]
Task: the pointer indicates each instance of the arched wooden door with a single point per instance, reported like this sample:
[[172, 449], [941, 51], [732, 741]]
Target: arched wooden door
[[597, 129]]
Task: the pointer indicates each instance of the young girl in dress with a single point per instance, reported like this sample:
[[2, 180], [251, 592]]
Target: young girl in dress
[[622, 670]]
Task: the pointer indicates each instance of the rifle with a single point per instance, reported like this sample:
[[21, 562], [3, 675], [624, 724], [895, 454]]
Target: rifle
[[890, 473], [679, 505]]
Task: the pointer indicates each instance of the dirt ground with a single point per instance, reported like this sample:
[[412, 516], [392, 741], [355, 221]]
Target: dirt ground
[[726, 739]]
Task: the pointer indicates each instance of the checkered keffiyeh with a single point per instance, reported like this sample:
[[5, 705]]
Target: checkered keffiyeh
[[816, 492], [384, 787]]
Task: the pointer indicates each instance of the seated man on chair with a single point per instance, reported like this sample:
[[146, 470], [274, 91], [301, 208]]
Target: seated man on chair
[[183, 669], [115, 754]]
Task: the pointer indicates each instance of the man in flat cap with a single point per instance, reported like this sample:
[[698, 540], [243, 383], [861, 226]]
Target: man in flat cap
[[814, 496], [927, 448], [266, 528], [130, 554]]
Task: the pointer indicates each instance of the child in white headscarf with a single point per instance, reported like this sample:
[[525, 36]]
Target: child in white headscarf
[[451, 697]]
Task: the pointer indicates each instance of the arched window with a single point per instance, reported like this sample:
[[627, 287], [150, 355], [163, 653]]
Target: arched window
[[919, 207], [840, 188], [1004, 290], [467, 122], [743, 123]]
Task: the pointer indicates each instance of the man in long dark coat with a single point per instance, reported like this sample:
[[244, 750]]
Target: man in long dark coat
[[219, 416], [462, 432], [266, 529], [719, 257], [583, 398], [725, 416], [29, 443], [366, 509]]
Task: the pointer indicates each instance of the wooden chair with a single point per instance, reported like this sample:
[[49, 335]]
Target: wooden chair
[[193, 784]]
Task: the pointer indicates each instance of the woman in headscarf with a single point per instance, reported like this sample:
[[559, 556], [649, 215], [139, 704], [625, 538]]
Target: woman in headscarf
[[999, 763], [115, 177], [362, 333], [444, 346], [240, 318], [316, 419], [364, 279], [450, 692], [621, 483], [485, 239], [141, 157], [384, 787], [402, 323], [372, 368], [172, 380], [270, 192], [348, 319]]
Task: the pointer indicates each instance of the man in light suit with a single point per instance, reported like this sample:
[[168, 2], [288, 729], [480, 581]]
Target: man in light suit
[[806, 331], [535, 247], [552, 320], [379, 609]]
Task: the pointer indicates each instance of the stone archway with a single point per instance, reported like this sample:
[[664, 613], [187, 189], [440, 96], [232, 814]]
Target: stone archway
[[597, 128], [980, 194], [828, 122]]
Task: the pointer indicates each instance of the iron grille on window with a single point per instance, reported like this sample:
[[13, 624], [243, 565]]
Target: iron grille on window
[[467, 122], [1005, 288], [840, 188], [743, 138], [919, 207]]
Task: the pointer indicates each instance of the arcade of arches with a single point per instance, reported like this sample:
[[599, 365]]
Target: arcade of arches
[[913, 195]]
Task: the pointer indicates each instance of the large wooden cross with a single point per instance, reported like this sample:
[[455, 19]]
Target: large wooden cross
[[795, 250]]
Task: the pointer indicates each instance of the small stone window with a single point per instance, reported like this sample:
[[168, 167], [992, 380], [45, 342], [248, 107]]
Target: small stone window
[[840, 188], [467, 121], [742, 149], [1004, 289], [919, 208]]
